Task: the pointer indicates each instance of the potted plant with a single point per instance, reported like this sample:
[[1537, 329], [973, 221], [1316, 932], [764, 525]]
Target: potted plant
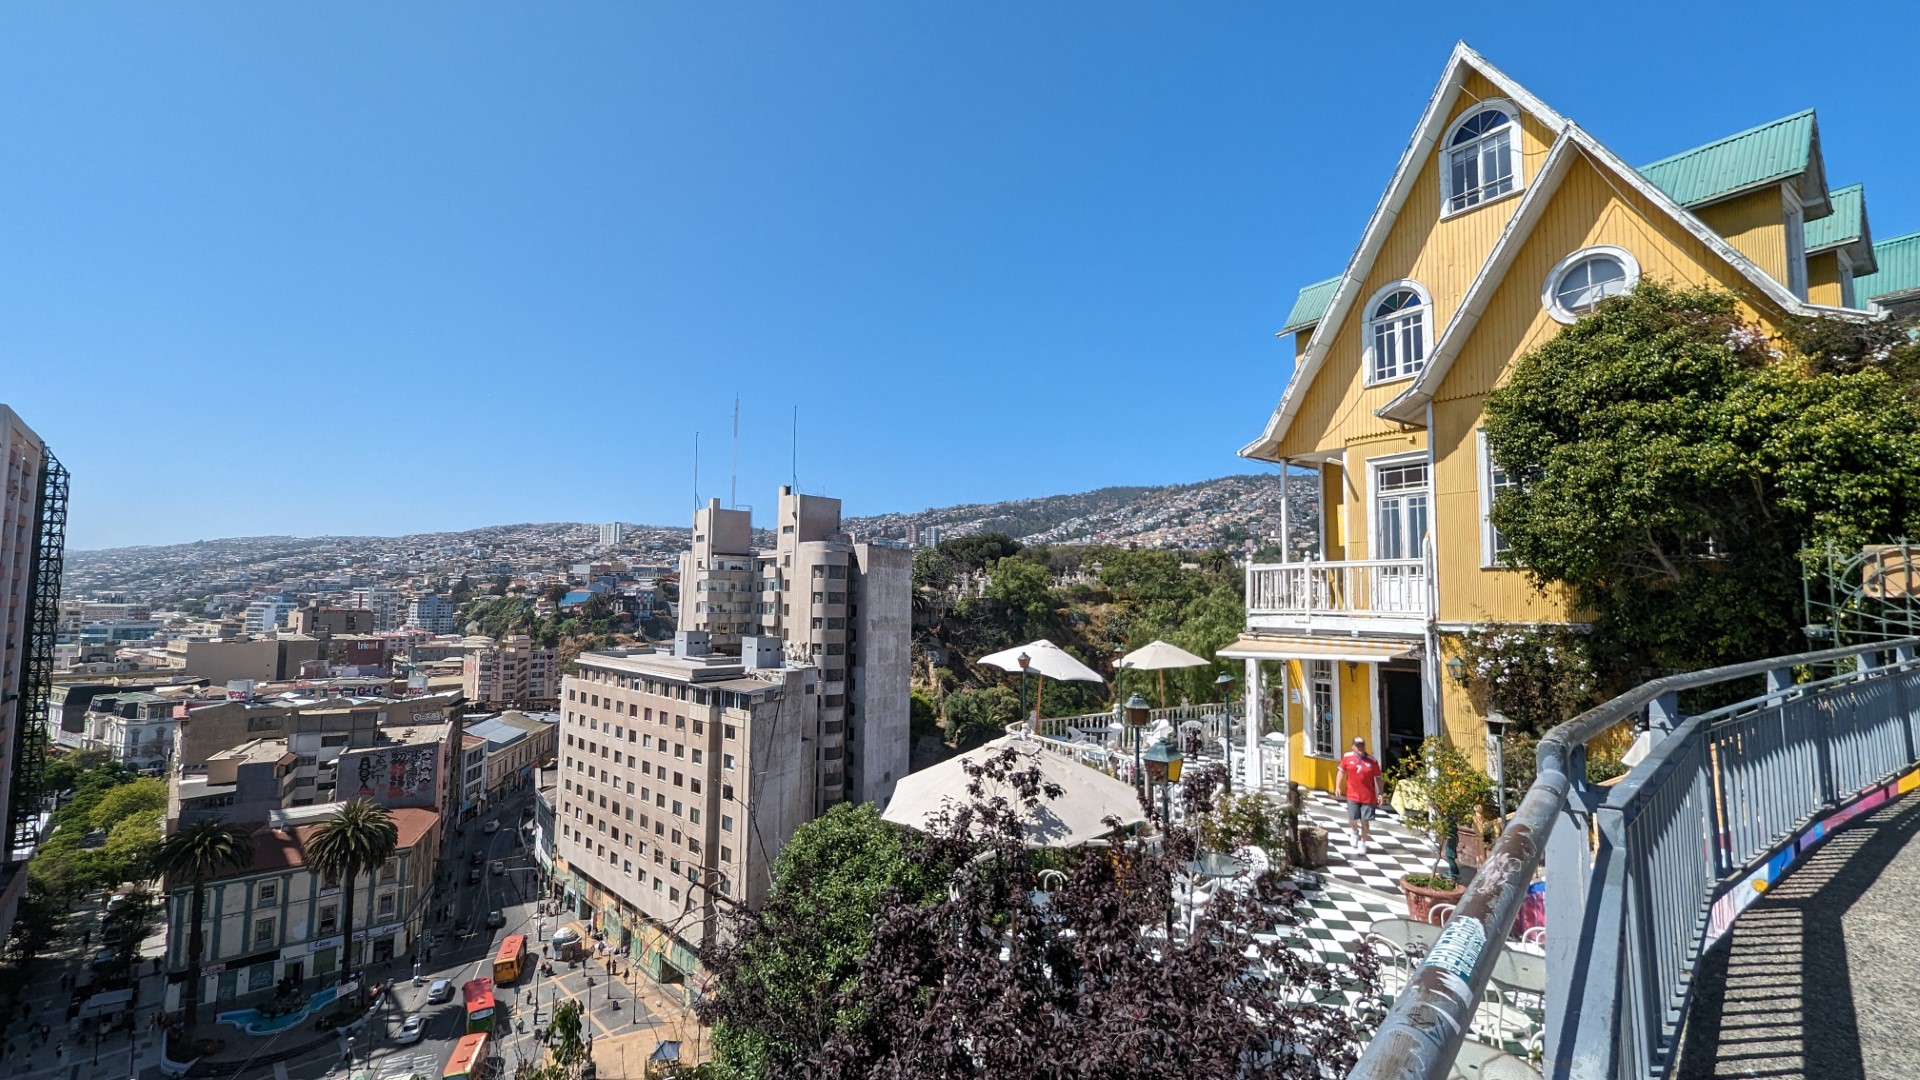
[[1437, 790]]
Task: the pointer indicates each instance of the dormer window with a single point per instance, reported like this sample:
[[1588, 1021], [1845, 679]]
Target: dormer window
[[1481, 162], [1398, 317]]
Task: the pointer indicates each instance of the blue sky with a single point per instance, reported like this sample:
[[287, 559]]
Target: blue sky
[[392, 268]]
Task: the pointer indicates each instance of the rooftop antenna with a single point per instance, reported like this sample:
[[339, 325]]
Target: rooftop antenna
[[733, 484]]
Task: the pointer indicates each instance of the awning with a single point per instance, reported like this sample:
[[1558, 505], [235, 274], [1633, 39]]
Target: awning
[[1328, 647]]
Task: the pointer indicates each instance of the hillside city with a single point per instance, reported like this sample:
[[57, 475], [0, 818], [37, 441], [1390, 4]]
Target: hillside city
[[1546, 706]]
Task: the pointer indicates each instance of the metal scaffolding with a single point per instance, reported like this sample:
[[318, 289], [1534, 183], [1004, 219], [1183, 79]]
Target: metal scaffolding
[[43, 618], [1860, 597]]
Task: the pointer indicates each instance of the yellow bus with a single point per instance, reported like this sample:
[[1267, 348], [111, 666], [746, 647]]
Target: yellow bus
[[511, 963]]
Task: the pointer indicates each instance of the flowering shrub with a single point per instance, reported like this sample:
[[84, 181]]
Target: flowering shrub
[[1537, 676]]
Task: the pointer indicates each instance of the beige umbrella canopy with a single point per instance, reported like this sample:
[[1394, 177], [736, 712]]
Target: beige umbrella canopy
[[1043, 658], [1158, 656], [1088, 796]]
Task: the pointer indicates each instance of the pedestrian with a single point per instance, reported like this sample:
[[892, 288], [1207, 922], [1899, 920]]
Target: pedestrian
[[1362, 773], [86, 940], [59, 1051]]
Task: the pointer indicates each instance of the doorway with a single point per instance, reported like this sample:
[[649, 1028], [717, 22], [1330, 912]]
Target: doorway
[[1403, 717]]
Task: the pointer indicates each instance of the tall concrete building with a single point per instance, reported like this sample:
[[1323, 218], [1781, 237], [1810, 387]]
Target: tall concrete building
[[681, 775], [33, 528], [510, 672], [383, 601], [612, 533], [430, 612], [842, 606]]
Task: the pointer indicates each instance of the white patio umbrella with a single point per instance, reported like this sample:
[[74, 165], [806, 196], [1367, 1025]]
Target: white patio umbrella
[[1088, 796], [1158, 656], [1046, 659]]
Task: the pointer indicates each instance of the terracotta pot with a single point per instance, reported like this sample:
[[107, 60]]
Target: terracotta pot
[[1420, 900]]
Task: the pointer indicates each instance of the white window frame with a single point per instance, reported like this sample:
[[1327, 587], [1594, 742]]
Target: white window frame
[[1445, 150], [1395, 461], [1796, 218], [1428, 332], [1312, 711], [1549, 297], [1489, 556]]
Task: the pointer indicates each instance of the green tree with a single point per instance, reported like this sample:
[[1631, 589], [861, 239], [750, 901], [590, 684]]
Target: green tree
[[805, 948], [977, 551], [194, 854], [566, 1037], [133, 844], [1671, 464], [976, 716], [37, 924], [359, 839], [1144, 577], [122, 802], [1025, 591]]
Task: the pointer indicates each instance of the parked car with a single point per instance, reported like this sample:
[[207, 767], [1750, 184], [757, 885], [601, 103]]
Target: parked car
[[492, 827], [499, 867], [441, 990], [495, 920], [415, 1026]]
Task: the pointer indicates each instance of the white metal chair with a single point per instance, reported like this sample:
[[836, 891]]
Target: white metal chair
[[1440, 914]]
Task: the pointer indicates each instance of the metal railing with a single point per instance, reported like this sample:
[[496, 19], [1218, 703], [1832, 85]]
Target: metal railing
[[1065, 727], [1638, 875], [1392, 587]]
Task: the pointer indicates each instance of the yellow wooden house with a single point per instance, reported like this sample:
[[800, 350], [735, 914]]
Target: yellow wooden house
[[1503, 222]]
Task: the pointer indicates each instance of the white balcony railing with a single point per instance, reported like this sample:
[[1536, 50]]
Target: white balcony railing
[[1383, 588]]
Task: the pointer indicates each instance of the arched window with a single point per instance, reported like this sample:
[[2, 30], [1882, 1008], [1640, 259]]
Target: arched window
[[1481, 162], [1586, 277], [1398, 318]]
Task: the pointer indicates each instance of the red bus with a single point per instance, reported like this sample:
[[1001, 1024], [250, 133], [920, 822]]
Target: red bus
[[469, 1058], [511, 962], [479, 994]]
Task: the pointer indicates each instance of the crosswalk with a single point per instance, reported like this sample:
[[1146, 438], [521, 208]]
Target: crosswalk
[[401, 1066]]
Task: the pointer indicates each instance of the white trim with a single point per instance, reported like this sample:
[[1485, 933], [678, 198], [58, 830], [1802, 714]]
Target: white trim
[[1371, 496], [1443, 151], [1549, 289], [1385, 212], [1306, 709], [1795, 213], [1428, 335], [1377, 740], [1489, 559], [1845, 263]]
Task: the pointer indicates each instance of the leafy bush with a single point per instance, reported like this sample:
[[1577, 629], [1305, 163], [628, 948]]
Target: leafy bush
[[1440, 789]]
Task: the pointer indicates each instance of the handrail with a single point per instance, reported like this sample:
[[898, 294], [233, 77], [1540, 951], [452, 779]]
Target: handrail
[[1422, 1034]]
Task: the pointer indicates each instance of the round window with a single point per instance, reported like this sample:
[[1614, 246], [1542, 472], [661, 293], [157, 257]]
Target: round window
[[1585, 278]]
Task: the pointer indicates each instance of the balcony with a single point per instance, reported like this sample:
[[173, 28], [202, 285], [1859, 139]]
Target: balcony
[[1383, 595]]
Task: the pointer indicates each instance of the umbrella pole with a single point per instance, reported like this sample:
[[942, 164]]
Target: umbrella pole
[[1162, 673], [1039, 691]]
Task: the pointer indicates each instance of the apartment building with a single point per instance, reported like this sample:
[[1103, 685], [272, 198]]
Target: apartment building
[[384, 601], [33, 515], [277, 921], [512, 671], [473, 774], [317, 621], [431, 613], [269, 614], [681, 775], [612, 533], [840, 605], [517, 744], [136, 727]]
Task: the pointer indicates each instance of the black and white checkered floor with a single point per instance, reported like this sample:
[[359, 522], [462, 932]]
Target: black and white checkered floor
[[1393, 851]]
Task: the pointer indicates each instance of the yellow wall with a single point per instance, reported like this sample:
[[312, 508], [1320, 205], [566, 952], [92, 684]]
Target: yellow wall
[[1443, 256], [1823, 278], [1333, 501], [1354, 686], [1756, 224]]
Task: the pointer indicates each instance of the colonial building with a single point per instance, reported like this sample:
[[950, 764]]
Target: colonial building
[[1503, 222]]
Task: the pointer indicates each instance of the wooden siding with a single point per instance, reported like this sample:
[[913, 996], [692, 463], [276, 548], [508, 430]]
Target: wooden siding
[[1823, 278], [1333, 511], [1756, 224], [1443, 256], [1355, 689]]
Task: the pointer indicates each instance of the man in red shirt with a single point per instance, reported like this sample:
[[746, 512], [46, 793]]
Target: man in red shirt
[[1360, 772]]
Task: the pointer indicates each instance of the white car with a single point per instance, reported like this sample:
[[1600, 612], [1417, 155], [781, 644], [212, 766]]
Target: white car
[[491, 827], [412, 1030], [441, 990], [499, 867]]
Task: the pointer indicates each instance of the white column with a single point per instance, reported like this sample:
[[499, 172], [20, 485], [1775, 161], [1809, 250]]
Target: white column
[[1255, 720]]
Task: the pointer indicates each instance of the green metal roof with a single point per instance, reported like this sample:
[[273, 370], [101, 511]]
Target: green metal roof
[[1846, 225], [1899, 261], [1771, 152], [1311, 304]]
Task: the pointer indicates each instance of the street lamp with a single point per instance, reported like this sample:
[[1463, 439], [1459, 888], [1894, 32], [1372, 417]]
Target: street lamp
[[1163, 766], [1138, 713], [1024, 660], [1225, 683]]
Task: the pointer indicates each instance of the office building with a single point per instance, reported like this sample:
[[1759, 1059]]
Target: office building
[[681, 775], [33, 518]]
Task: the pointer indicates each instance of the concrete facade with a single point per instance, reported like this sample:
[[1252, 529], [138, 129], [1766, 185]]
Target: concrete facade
[[512, 671]]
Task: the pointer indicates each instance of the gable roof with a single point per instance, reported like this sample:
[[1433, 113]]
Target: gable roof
[[1409, 405], [1779, 150], [1899, 273], [1347, 286], [1309, 305], [1846, 225]]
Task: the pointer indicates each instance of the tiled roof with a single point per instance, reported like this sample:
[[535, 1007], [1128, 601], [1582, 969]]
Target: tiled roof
[[286, 849], [1899, 261], [1311, 304], [1846, 225], [1771, 152]]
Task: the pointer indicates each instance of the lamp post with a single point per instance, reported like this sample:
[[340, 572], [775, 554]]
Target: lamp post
[[1138, 713], [1497, 759], [1162, 762], [1024, 660], [1225, 683]]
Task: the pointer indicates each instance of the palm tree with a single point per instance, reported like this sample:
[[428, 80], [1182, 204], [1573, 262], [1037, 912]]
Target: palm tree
[[196, 853], [360, 838]]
